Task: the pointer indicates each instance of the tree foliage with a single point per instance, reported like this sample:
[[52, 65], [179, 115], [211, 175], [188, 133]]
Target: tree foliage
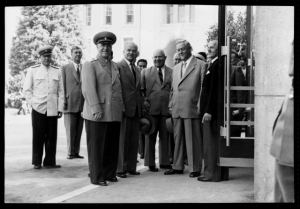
[[236, 28], [57, 25]]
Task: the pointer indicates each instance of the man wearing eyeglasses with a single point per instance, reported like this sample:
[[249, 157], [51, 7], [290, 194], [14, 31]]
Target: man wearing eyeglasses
[[73, 102], [43, 89]]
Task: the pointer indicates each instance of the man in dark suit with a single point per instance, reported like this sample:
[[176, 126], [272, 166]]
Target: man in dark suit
[[73, 102], [156, 85], [102, 110], [141, 64], [282, 147], [130, 126], [184, 105], [210, 132]]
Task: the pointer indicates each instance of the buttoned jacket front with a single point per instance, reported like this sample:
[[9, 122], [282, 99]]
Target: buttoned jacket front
[[43, 89], [131, 89], [101, 89], [72, 88], [185, 94], [157, 93]]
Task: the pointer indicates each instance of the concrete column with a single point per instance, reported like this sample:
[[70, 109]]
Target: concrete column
[[274, 29]]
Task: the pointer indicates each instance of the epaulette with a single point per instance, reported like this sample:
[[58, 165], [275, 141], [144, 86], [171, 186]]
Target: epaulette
[[54, 66], [37, 65], [93, 59]]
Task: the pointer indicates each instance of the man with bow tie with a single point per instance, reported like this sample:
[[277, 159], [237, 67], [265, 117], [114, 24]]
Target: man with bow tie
[[156, 85], [73, 102], [184, 106]]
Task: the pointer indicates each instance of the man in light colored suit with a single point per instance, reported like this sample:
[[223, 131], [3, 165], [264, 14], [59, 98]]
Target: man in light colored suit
[[130, 78], [102, 110], [184, 105], [156, 85], [282, 147], [73, 102]]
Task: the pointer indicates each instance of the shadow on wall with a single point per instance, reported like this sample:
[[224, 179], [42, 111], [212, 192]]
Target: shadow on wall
[[170, 50]]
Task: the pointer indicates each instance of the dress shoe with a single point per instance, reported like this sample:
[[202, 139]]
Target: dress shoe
[[121, 175], [204, 179], [78, 156], [194, 174], [133, 172], [153, 168], [172, 171], [102, 183], [114, 179], [37, 166], [70, 157], [165, 166], [52, 166]]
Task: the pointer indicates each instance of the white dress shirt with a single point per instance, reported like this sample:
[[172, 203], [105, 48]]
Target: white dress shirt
[[162, 71], [43, 89], [186, 65], [77, 65]]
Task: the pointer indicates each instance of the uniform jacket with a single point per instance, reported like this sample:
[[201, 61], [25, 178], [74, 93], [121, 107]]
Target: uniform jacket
[[157, 94], [43, 89], [208, 98], [185, 93], [72, 88], [131, 90], [101, 89]]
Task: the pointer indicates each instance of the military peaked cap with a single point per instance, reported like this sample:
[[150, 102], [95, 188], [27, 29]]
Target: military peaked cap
[[105, 36], [44, 50]]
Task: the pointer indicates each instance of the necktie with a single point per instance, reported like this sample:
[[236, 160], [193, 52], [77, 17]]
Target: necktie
[[78, 72], [160, 76], [209, 64], [133, 72], [183, 69]]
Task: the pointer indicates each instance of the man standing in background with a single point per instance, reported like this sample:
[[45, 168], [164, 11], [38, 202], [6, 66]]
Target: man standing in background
[[43, 89], [73, 102]]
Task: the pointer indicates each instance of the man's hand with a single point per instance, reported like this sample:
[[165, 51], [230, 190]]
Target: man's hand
[[98, 116], [206, 117], [65, 106], [59, 115], [235, 112]]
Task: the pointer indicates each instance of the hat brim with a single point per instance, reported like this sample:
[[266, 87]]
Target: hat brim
[[152, 125], [169, 125]]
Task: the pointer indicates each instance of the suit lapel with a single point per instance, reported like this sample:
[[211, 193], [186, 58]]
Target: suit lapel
[[137, 76], [167, 76], [73, 70], [105, 67], [189, 68], [154, 74]]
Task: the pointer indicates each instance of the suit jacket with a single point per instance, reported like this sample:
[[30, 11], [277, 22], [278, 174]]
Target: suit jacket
[[185, 93], [101, 89], [157, 94], [208, 98], [72, 88], [131, 90]]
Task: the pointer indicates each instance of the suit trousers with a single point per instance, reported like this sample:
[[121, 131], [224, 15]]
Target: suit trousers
[[74, 126], [187, 129], [210, 139], [284, 183], [171, 147], [102, 146], [160, 127], [141, 144], [129, 143], [44, 132]]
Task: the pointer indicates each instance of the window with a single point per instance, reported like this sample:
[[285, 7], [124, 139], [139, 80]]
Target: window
[[108, 14], [129, 14], [88, 15], [192, 13], [181, 13], [170, 13]]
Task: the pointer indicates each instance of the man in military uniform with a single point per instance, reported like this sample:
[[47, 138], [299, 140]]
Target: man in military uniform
[[102, 110], [43, 89]]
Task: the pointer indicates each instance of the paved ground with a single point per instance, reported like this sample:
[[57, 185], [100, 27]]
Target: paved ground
[[70, 184]]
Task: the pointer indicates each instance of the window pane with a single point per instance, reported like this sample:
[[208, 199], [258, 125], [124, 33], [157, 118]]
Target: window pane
[[129, 14], [170, 13], [108, 20], [88, 14], [181, 13]]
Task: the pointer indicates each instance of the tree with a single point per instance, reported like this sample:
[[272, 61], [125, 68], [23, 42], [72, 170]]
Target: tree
[[235, 28], [57, 25]]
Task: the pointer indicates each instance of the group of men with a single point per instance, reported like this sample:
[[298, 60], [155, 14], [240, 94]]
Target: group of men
[[124, 107]]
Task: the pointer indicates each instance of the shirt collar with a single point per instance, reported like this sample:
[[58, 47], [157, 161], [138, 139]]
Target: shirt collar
[[128, 62], [75, 64], [162, 68], [214, 59], [188, 60]]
